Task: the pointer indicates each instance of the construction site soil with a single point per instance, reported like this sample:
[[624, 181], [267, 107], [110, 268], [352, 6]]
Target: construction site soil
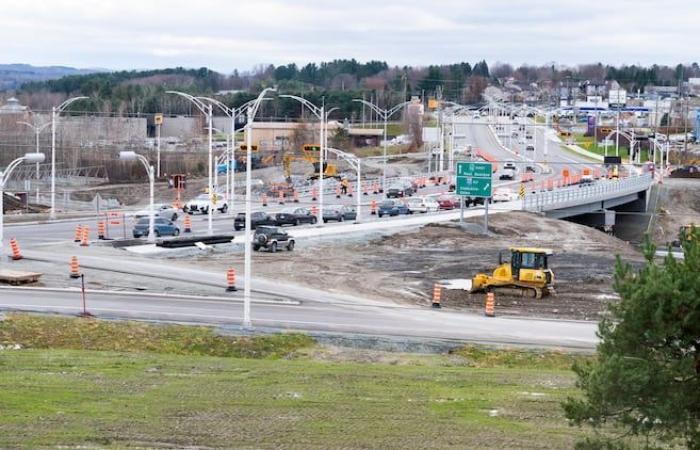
[[678, 204], [403, 267]]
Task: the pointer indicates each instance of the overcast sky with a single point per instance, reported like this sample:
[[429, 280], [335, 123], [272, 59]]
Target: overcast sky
[[226, 35]]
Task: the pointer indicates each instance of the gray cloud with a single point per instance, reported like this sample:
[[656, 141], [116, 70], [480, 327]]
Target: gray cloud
[[240, 34]]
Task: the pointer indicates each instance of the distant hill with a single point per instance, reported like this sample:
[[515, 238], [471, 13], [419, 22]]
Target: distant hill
[[12, 76]]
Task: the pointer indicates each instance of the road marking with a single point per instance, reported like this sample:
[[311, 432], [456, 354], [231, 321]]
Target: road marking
[[168, 297]]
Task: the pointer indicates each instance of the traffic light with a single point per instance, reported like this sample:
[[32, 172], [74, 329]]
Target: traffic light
[[253, 148], [312, 148], [179, 182]]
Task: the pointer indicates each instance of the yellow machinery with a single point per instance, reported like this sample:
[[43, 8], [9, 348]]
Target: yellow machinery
[[685, 233], [527, 273], [310, 154]]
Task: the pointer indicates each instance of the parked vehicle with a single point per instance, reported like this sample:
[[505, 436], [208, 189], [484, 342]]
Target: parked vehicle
[[160, 210], [272, 238], [448, 202], [530, 148], [201, 204], [422, 205], [161, 227], [257, 219], [294, 216], [392, 208], [504, 195], [507, 173], [473, 201], [400, 189], [338, 213]]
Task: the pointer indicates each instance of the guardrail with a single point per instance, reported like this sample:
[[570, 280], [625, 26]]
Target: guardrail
[[577, 195]]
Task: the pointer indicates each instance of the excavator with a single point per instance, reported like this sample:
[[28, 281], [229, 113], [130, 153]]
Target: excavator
[[526, 274], [310, 154]]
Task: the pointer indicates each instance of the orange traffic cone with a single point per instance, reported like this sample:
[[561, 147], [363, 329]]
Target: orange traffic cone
[[187, 225], [337, 192], [15, 249], [314, 211], [437, 294], [281, 197], [85, 241], [375, 188], [74, 267], [314, 194], [490, 305], [101, 230], [78, 233], [349, 190], [264, 199], [296, 197], [231, 280], [373, 208]]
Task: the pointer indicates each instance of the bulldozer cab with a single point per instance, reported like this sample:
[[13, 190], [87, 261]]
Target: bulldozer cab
[[686, 232], [528, 260]]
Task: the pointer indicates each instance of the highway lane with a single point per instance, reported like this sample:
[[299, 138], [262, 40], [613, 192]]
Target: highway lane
[[313, 316], [549, 166], [63, 231]]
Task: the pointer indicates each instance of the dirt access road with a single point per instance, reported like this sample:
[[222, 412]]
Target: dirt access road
[[403, 267]]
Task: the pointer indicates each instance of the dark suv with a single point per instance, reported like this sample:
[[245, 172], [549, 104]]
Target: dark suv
[[271, 238], [400, 189]]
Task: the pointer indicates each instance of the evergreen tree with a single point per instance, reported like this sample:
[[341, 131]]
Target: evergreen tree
[[646, 378]]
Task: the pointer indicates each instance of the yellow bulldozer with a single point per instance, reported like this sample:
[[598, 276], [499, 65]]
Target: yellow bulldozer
[[527, 274], [685, 233]]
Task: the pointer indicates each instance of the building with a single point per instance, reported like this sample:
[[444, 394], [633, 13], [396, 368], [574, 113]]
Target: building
[[13, 107]]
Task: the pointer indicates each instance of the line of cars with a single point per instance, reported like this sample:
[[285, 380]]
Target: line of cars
[[295, 216]]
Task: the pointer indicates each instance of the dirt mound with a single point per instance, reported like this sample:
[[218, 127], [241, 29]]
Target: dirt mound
[[678, 204], [403, 267]]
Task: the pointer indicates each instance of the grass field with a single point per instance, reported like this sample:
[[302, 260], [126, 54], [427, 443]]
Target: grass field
[[587, 142], [292, 395]]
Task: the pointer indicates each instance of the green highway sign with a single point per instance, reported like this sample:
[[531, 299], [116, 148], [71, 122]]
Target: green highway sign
[[474, 179]]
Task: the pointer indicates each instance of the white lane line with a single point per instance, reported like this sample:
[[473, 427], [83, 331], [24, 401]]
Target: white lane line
[[164, 297]]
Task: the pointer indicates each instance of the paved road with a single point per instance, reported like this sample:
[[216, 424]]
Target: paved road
[[478, 133], [311, 315]]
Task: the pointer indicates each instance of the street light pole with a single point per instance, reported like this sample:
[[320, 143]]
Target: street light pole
[[247, 260], [322, 116], [205, 109], [385, 114], [210, 210], [55, 111], [150, 170], [37, 131], [29, 157], [232, 113]]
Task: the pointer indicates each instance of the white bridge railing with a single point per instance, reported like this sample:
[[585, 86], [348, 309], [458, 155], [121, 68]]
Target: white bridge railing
[[599, 191]]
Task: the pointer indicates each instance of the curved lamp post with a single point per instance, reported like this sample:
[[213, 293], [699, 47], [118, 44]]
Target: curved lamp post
[[37, 131], [232, 113], [251, 111], [150, 170], [320, 113], [205, 109], [55, 112], [4, 175], [385, 114]]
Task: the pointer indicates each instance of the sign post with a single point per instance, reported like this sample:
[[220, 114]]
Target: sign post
[[158, 121], [474, 179]]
